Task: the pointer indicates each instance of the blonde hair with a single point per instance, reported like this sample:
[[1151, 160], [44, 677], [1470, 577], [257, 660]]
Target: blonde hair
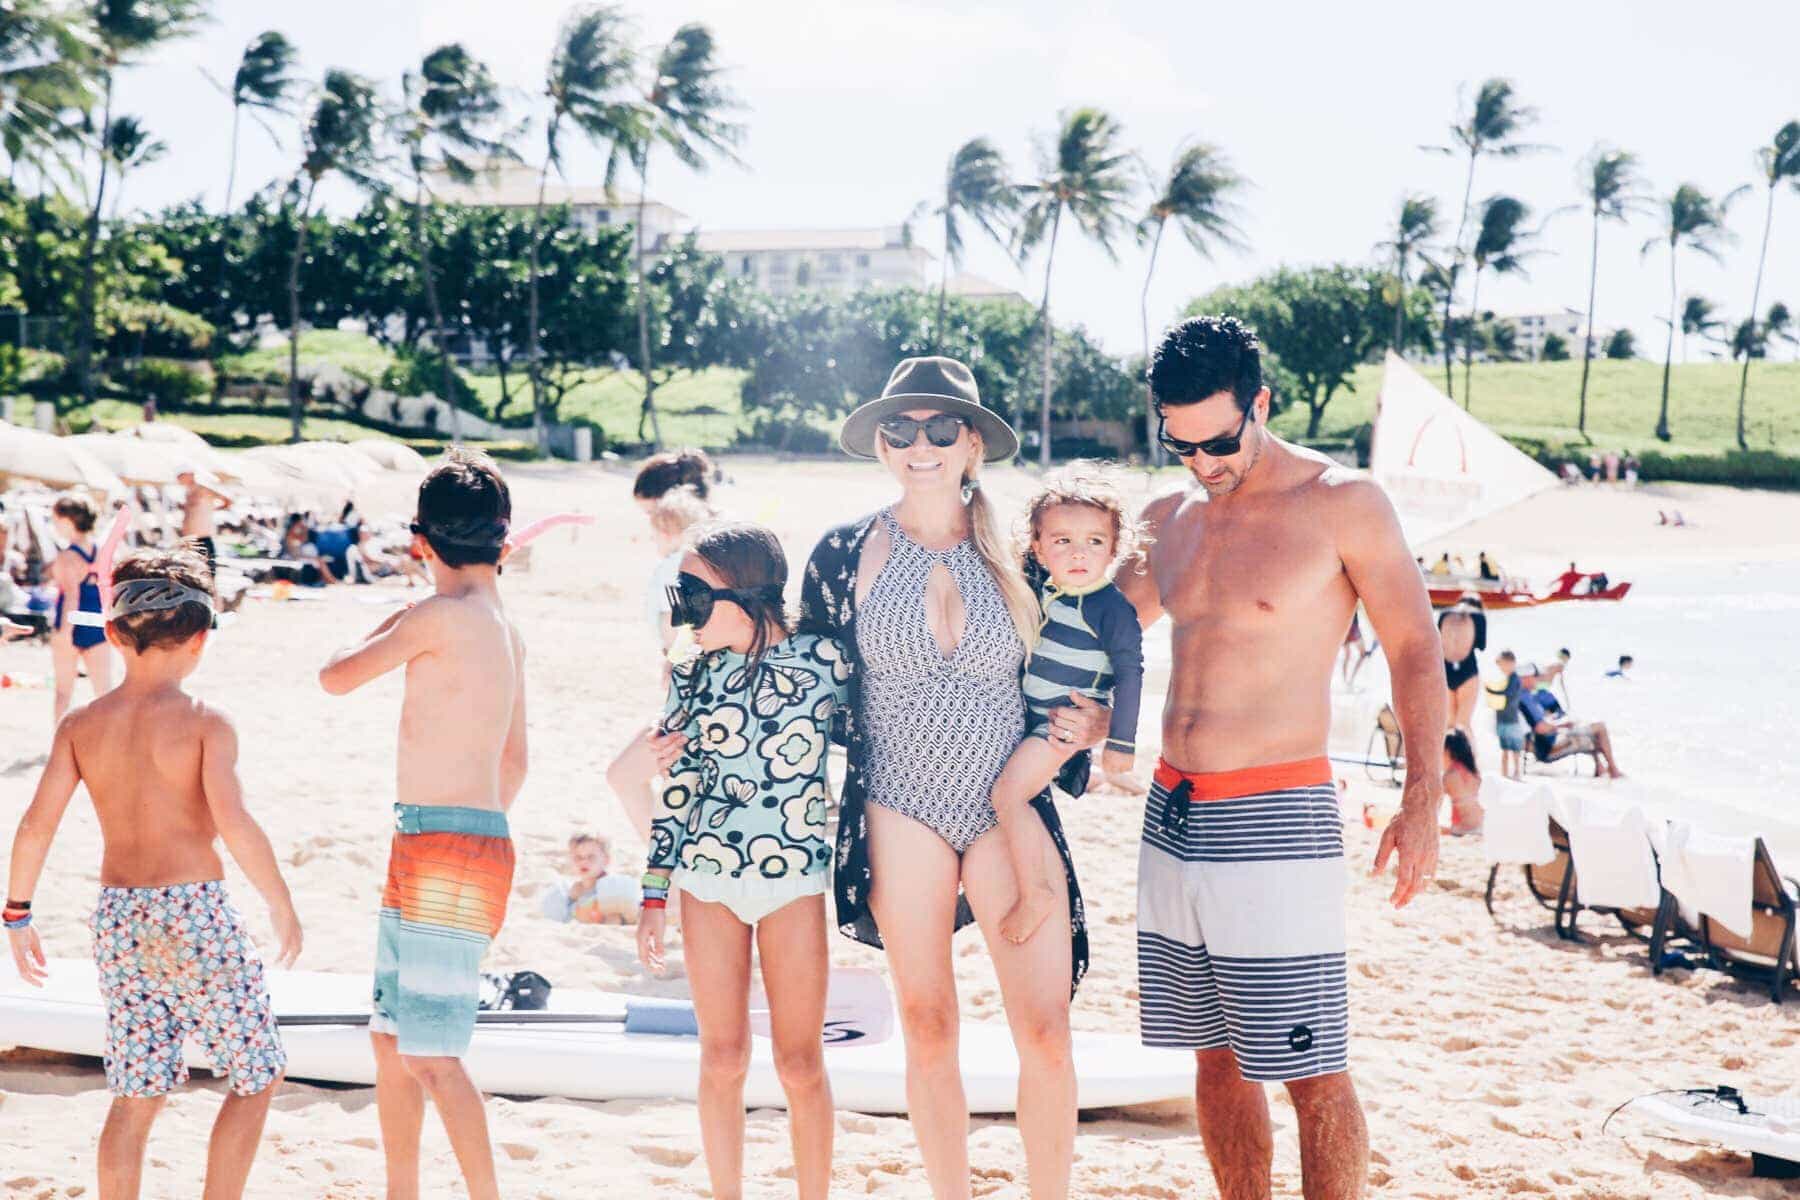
[[1090, 484], [678, 510]]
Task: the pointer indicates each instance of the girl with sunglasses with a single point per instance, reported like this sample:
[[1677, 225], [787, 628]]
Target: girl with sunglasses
[[740, 830]]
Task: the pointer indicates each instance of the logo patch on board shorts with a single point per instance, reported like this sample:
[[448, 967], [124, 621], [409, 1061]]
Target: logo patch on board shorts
[[1300, 1039]]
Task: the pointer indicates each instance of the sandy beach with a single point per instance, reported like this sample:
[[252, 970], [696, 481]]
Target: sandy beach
[[1487, 1054]]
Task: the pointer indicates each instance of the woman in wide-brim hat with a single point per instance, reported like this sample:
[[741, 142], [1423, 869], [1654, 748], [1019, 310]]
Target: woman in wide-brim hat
[[934, 617]]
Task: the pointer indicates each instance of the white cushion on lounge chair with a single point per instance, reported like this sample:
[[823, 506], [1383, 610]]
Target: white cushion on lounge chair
[[1516, 822], [1713, 874], [1614, 867]]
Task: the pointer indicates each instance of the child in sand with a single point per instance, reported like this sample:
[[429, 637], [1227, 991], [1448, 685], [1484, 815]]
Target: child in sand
[[740, 829], [590, 894], [462, 761], [1089, 641], [173, 958]]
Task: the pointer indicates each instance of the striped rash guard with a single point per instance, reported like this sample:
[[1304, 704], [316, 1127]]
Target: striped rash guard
[[1089, 641]]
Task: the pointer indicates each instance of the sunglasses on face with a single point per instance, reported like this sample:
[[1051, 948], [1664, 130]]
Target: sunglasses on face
[[1220, 447], [941, 430], [691, 600]]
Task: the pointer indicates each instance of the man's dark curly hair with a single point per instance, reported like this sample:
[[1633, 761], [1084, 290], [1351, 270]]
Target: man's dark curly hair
[[1204, 356]]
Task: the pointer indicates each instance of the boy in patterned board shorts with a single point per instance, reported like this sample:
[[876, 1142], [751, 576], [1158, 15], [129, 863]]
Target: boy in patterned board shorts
[[173, 958], [450, 869]]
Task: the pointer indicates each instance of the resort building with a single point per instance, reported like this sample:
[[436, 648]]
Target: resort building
[[780, 261], [1567, 323], [515, 186]]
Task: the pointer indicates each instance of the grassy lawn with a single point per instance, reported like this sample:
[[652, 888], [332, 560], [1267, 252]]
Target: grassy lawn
[[346, 348], [698, 408], [236, 429], [1538, 401]]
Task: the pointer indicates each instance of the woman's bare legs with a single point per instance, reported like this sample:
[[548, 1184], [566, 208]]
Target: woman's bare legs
[[1034, 985], [717, 954], [796, 966], [914, 901], [99, 663]]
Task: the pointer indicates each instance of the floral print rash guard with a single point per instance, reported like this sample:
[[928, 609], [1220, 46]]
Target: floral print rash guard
[[747, 798]]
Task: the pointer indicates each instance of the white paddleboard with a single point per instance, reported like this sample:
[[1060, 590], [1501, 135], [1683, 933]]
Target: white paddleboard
[[602, 1061], [1770, 1126]]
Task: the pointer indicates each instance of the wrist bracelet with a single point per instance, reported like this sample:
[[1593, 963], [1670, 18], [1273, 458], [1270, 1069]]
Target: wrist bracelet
[[655, 894], [652, 879], [654, 902], [18, 905], [18, 922]]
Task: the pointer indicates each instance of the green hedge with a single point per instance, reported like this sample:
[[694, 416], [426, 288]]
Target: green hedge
[[1755, 468]]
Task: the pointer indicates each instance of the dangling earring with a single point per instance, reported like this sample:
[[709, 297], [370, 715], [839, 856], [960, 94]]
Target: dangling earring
[[968, 490]]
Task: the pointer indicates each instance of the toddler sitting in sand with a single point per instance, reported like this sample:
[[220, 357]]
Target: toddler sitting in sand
[[171, 952], [588, 894]]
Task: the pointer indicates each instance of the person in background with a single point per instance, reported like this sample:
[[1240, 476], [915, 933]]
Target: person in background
[[1462, 784], [1509, 724], [1442, 565], [1565, 583], [200, 505], [1623, 670], [589, 894], [1557, 735], [78, 632], [1463, 631], [1487, 568], [688, 471]]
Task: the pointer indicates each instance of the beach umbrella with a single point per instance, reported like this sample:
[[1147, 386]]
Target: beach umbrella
[[134, 460], [391, 455], [57, 461], [305, 472], [199, 452], [249, 475]]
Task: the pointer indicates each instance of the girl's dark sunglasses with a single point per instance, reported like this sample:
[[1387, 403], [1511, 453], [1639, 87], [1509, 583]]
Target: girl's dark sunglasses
[[691, 600], [1219, 447], [941, 430]]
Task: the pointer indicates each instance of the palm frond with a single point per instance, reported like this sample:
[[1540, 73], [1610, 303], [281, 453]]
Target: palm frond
[[1198, 196], [265, 76], [977, 185], [688, 100]]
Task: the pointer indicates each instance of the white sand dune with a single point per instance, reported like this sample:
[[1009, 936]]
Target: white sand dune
[[1487, 1054]]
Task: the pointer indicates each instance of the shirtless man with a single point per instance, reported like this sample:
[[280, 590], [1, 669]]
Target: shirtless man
[[198, 509], [172, 956], [1241, 869], [462, 762]]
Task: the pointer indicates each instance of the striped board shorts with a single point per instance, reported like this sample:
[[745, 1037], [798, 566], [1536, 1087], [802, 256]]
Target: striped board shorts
[[449, 872], [1241, 893]]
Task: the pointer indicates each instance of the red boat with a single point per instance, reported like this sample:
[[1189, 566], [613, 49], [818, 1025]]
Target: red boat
[[1495, 596]]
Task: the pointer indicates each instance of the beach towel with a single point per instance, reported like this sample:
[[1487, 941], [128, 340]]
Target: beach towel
[[1614, 866], [1712, 874], [1516, 827]]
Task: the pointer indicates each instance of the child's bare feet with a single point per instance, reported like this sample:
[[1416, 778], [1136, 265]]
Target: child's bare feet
[[1018, 925]]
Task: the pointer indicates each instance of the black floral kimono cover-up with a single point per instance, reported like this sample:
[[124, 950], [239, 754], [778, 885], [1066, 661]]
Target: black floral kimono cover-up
[[828, 608]]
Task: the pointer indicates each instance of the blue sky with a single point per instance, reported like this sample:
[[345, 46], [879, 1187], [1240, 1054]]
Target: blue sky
[[853, 106]]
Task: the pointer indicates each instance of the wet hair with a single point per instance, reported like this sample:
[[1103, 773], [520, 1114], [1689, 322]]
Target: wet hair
[[1506, 656], [1086, 483], [1204, 356], [1456, 745], [577, 840], [678, 510], [184, 565], [77, 510], [1625, 660], [465, 510], [749, 558], [663, 473]]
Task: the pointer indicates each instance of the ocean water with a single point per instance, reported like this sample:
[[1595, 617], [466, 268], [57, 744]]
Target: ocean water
[[1707, 727]]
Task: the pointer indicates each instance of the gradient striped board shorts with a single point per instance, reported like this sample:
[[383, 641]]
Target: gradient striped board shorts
[[1241, 891], [449, 872]]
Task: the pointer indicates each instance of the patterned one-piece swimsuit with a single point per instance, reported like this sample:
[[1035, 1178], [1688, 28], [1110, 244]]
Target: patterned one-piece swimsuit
[[940, 728]]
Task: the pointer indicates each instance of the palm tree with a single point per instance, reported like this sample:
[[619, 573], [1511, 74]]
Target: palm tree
[[1413, 231], [448, 107], [1197, 196], [1698, 317], [339, 136], [976, 186], [129, 145], [1610, 182], [1489, 129], [1502, 243], [264, 82], [1085, 172], [1696, 220], [585, 82], [43, 60], [1778, 161], [684, 108], [121, 30]]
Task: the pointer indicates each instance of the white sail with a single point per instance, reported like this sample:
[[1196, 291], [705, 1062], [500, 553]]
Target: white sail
[[1440, 466]]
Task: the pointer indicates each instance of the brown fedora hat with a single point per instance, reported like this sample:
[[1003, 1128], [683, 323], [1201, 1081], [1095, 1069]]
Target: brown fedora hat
[[930, 382]]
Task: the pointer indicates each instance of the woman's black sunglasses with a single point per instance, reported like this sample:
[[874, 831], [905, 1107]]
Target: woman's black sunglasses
[[691, 600], [1219, 447], [941, 430]]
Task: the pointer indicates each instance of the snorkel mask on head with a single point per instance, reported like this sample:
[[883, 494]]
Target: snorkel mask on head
[[136, 596], [691, 599]]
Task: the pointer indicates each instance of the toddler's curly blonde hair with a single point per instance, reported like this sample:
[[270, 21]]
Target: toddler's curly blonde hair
[[1089, 483]]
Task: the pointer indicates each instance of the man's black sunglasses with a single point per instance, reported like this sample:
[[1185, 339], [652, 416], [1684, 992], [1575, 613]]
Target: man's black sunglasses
[[1219, 447], [941, 430]]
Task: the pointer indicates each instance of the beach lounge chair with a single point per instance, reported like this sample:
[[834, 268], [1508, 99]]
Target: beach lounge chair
[[1385, 738], [1613, 851], [1745, 909], [1525, 826]]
